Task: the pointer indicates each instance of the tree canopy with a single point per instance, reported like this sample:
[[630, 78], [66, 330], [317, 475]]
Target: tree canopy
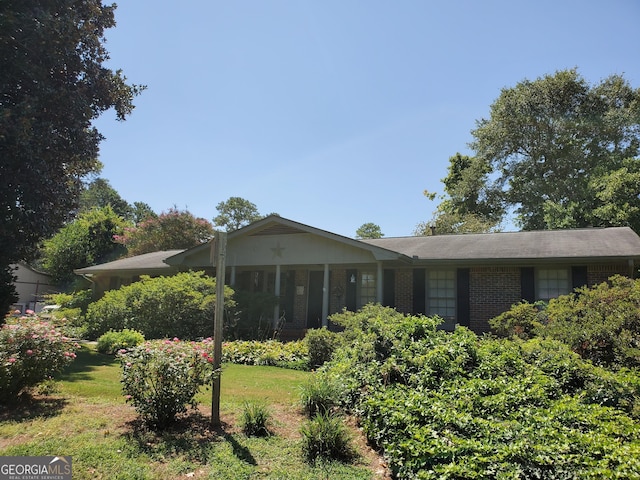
[[236, 213], [174, 229], [369, 230], [563, 153], [467, 205], [88, 240], [99, 193], [53, 84]]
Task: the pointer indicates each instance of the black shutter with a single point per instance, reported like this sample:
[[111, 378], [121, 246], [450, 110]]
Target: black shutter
[[389, 288], [419, 291], [528, 284], [350, 295], [463, 302], [578, 277]]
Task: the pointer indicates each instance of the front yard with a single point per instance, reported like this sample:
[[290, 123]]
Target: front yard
[[87, 418]]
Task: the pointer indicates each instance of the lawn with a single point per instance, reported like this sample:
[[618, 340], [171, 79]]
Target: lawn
[[88, 419]]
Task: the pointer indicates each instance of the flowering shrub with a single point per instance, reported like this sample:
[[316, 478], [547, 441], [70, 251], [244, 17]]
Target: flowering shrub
[[162, 377], [31, 351]]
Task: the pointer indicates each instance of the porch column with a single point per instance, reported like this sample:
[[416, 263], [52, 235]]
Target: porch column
[[379, 284], [325, 296], [276, 309], [232, 279]]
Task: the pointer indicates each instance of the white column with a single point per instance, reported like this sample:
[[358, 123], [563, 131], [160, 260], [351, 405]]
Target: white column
[[325, 296], [380, 283], [276, 309]]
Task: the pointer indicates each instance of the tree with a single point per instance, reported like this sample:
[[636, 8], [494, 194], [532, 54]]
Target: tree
[[99, 193], [174, 229], [54, 84], [553, 143], [86, 241], [369, 230], [468, 205], [235, 213]]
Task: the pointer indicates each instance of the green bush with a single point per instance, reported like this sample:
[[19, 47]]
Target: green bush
[[453, 405], [162, 377], [112, 341], [319, 395], [291, 355], [255, 419], [321, 343], [176, 306], [326, 437], [522, 320], [31, 352], [601, 323]]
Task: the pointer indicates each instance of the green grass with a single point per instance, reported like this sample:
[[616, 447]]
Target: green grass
[[89, 420]]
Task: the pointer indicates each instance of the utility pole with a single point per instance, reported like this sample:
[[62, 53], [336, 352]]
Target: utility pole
[[220, 247]]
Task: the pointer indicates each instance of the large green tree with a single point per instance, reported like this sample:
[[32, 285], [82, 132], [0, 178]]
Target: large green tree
[[174, 229], [467, 206], [53, 84], [236, 213], [99, 193], [86, 241], [552, 146]]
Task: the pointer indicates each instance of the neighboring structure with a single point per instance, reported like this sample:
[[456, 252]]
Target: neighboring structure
[[112, 275], [465, 279], [30, 286]]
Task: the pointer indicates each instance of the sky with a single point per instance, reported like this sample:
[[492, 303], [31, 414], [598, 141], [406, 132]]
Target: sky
[[333, 113]]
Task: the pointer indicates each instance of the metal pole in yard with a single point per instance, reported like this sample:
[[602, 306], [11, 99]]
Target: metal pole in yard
[[220, 245]]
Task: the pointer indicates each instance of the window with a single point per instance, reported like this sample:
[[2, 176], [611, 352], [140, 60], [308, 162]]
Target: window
[[367, 288], [441, 296], [552, 283]]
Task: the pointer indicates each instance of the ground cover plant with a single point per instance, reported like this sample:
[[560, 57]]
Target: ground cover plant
[[453, 405], [89, 420]]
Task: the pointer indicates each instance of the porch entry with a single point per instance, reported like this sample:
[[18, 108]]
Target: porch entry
[[314, 299]]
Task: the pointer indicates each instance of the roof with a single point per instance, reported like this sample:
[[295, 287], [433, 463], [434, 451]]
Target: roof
[[140, 263], [603, 243]]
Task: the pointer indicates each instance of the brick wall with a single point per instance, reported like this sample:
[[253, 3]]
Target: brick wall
[[492, 290], [600, 273]]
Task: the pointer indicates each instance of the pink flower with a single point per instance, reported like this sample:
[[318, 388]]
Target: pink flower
[[29, 312], [29, 352], [12, 360], [176, 339]]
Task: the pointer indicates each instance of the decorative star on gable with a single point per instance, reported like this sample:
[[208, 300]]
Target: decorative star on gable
[[277, 250]]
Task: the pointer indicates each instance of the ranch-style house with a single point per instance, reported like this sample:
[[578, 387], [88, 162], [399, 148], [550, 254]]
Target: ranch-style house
[[465, 279]]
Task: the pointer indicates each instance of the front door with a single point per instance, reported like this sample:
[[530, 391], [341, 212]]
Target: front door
[[314, 300]]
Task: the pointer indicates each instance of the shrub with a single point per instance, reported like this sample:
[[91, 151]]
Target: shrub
[[161, 378], [272, 352], [31, 351], [319, 395], [252, 317], [162, 307], [255, 419], [601, 323], [111, 342], [453, 405], [321, 343], [522, 320], [326, 437]]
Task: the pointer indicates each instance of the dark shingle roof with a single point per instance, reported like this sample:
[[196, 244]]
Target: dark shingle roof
[[615, 242], [146, 261]]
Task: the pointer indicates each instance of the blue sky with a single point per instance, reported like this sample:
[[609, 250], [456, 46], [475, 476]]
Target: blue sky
[[333, 113]]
